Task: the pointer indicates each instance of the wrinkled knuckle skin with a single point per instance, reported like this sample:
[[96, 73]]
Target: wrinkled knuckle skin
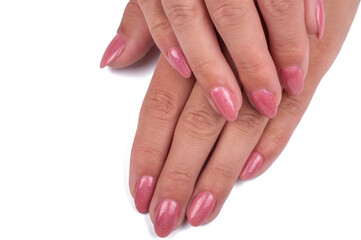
[[249, 123], [293, 105], [254, 65], [278, 7], [146, 155], [160, 105], [160, 28], [228, 14], [179, 177], [224, 172], [199, 123], [181, 13]]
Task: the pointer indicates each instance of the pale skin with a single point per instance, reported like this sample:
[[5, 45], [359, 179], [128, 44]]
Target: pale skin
[[184, 33], [178, 128]]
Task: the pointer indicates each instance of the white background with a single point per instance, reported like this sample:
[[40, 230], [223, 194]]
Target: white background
[[66, 130]]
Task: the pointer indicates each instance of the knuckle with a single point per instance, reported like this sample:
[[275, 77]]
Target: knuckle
[[160, 27], [228, 14], [278, 7], [203, 66], [147, 155], [181, 13], [292, 48], [224, 171], [160, 105], [248, 123], [293, 105], [179, 176], [199, 123], [252, 64], [277, 138]]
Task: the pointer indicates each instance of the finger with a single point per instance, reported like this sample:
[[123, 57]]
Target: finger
[[235, 19], [132, 40], [163, 36], [160, 111], [195, 33], [292, 108], [288, 38], [315, 17], [196, 132], [237, 140]]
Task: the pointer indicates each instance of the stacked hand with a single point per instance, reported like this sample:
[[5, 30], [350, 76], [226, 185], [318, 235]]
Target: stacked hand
[[179, 130]]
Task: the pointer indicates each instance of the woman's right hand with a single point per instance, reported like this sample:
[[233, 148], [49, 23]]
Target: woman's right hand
[[187, 26]]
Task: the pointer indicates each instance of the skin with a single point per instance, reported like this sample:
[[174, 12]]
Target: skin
[[178, 129], [188, 27]]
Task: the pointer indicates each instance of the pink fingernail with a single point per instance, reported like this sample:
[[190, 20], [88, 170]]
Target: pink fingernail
[[200, 209], [114, 49], [320, 16], [144, 193], [252, 165], [166, 217], [265, 102], [225, 103], [179, 62], [292, 79]]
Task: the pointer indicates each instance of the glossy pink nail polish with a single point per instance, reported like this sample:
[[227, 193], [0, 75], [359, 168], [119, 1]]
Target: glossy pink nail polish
[[292, 79], [252, 165], [179, 62], [265, 102], [225, 103], [166, 217], [320, 16], [144, 193], [114, 49], [200, 209]]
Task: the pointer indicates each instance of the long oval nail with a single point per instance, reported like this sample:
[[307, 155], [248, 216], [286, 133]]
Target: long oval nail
[[320, 16], [292, 79], [114, 49], [166, 217], [144, 193], [265, 102], [179, 62], [201, 208], [225, 103], [252, 165]]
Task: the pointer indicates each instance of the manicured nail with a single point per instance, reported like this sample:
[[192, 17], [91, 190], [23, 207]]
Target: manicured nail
[[292, 79], [114, 49], [166, 217], [200, 209], [179, 62], [225, 103], [252, 165], [320, 16], [144, 193], [265, 102]]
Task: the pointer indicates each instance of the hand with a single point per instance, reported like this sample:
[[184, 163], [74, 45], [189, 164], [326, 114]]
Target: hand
[[177, 131], [188, 25]]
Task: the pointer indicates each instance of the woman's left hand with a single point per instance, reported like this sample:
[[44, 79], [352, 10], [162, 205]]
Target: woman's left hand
[[178, 130]]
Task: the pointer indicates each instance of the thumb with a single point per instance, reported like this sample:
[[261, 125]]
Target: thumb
[[132, 40]]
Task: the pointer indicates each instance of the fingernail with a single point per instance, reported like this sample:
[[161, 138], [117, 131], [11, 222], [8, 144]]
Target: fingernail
[[144, 193], [200, 209], [265, 102], [292, 79], [114, 49], [179, 62], [166, 217], [320, 16], [225, 103], [252, 165]]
